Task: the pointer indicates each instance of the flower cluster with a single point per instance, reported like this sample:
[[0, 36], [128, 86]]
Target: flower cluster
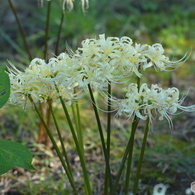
[[151, 102], [99, 62], [112, 55], [44, 81]]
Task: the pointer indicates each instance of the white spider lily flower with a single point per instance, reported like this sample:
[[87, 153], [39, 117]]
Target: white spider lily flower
[[151, 102], [108, 45], [157, 59], [21, 86], [96, 63], [127, 59], [155, 54]]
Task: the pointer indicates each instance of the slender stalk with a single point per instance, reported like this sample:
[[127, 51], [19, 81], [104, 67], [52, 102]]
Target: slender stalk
[[128, 151], [45, 53], [42, 134], [138, 83], [21, 30], [129, 162], [41, 130], [138, 78], [60, 137], [41, 127], [76, 116], [109, 120], [48, 119], [101, 136], [80, 133], [108, 139], [59, 32], [47, 29], [79, 150], [141, 156], [55, 146]]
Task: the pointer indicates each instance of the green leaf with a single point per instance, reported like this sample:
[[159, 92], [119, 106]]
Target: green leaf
[[2, 69], [14, 154], [4, 169], [4, 86]]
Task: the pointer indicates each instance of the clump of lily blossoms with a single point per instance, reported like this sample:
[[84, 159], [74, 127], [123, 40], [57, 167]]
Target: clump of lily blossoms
[[97, 63]]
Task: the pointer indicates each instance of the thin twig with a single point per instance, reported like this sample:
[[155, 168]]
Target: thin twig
[[21, 30], [47, 29], [59, 33]]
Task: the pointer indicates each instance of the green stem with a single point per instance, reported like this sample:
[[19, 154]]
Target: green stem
[[128, 151], [138, 78], [141, 156], [108, 138], [60, 137], [59, 32], [55, 146], [48, 119], [101, 136], [80, 133], [77, 121], [74, 117], [109, 119], [138, 83], [129, 162], [21, 30], [47, 29], [79, 150]]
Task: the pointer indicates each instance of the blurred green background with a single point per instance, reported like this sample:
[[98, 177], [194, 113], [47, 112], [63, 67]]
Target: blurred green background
[[169, 158], [169, 22]]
